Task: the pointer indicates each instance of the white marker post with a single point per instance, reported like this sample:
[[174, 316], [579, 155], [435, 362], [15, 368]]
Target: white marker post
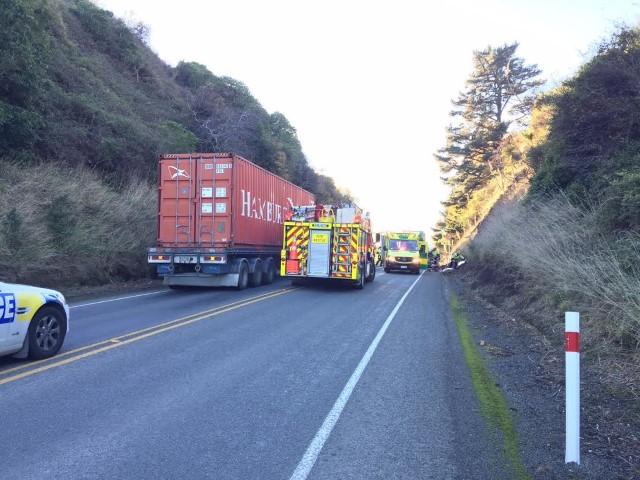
[[572, 386]]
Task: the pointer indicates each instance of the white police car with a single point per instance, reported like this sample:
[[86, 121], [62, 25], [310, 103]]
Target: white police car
[[33, 321]]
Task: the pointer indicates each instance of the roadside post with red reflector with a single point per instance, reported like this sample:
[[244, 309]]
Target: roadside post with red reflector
[[572, 387]]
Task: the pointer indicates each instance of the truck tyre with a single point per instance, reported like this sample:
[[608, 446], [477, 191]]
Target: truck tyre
[[372, 271], [359, 283], [243, 275], [255, 278], [46, 332], [269, 272], [386, 270]]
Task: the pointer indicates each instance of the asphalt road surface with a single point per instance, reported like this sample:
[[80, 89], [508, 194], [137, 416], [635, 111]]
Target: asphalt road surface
[[277, 382]]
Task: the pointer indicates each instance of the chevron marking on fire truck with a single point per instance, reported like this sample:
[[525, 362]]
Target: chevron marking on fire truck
[[300, 235], [341, 250]]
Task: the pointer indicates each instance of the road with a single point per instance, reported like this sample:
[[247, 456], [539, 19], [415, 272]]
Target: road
[[269, 383]]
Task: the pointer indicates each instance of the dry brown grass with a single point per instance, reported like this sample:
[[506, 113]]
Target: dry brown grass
[[557, 248], [63, 226], [539, 260]]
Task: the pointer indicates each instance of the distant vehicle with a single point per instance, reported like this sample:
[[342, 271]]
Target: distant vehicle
[[220, 220], [403, 251], [329, 242], [33, 321]]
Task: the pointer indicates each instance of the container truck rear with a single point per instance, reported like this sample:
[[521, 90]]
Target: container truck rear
[[220, 220]]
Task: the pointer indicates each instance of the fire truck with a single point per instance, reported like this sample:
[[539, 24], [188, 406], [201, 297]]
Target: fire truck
[[330, 242]]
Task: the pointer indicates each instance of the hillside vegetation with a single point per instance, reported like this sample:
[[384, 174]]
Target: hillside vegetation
[[571, 240], [574, 241], [85, 109]]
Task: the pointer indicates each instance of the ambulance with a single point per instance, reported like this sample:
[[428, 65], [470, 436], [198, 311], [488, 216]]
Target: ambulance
[[403, 251], [33, 321]]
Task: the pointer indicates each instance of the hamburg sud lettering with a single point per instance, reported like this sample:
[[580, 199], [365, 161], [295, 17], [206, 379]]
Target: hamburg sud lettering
[[7, 308], [265, 210]]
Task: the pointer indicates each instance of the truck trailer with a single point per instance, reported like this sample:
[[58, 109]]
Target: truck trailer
[[328, 242], [220, 220]]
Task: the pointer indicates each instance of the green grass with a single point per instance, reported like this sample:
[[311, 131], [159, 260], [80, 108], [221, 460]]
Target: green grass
[[493, 404]]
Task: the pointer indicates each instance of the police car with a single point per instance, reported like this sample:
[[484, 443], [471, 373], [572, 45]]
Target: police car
[[33, 321]]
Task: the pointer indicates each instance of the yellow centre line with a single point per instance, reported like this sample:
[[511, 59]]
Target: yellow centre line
[[136, 332], [122, 340]]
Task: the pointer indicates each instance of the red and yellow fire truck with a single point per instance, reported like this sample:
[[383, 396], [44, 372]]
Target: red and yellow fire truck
[[325, 241]]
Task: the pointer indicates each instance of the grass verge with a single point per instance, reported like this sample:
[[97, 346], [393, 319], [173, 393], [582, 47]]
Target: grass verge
[[493, 404]]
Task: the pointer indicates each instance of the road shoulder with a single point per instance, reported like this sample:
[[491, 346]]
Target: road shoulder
[[527, 368]]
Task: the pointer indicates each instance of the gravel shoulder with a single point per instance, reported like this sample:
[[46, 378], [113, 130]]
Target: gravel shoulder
[[529, 370], [87, 292]]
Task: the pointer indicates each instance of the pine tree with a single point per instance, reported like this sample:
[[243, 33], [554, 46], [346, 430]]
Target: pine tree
[[498, 93]]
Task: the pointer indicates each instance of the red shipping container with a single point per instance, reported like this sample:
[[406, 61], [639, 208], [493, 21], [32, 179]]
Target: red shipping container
[[222, 200]]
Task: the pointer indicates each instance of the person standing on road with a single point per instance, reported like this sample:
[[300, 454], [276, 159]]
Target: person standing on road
[[434, 258]]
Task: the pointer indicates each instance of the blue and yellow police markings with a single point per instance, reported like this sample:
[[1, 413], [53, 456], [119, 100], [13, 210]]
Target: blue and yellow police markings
[[29, 303], [7, 308]]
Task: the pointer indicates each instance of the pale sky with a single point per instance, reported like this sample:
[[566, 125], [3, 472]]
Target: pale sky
[[367, 84]]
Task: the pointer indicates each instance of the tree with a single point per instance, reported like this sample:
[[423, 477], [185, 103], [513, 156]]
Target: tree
[[140, 29], [498, 93]]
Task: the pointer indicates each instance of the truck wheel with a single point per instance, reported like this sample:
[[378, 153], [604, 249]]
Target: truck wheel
[[46, 332], [255, 278], [243, 275], [359, 284], [386, 270], [269, 273], [372, 272]]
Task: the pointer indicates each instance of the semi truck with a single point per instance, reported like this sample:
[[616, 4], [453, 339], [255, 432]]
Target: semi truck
[[404, 251], [220, 220], [328, 242]]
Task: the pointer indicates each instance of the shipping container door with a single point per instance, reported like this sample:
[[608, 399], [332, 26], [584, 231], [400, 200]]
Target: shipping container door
[[177, 192], [213, 212]]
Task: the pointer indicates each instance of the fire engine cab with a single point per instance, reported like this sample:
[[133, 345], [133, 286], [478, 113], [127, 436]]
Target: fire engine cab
[[327, 241]]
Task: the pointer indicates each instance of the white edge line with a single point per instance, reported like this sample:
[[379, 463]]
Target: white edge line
[[311, 455], [117, 299]]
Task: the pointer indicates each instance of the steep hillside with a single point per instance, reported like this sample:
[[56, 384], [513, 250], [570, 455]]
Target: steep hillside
[[79, 86], [576, 237], [85, 109], [594, 140], [573, 242]]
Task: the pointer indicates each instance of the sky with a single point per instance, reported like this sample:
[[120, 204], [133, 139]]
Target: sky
[[368, 84]]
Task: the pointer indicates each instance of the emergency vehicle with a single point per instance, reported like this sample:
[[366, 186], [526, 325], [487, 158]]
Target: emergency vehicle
[[331, 242], [404, 251], [33, 321]]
